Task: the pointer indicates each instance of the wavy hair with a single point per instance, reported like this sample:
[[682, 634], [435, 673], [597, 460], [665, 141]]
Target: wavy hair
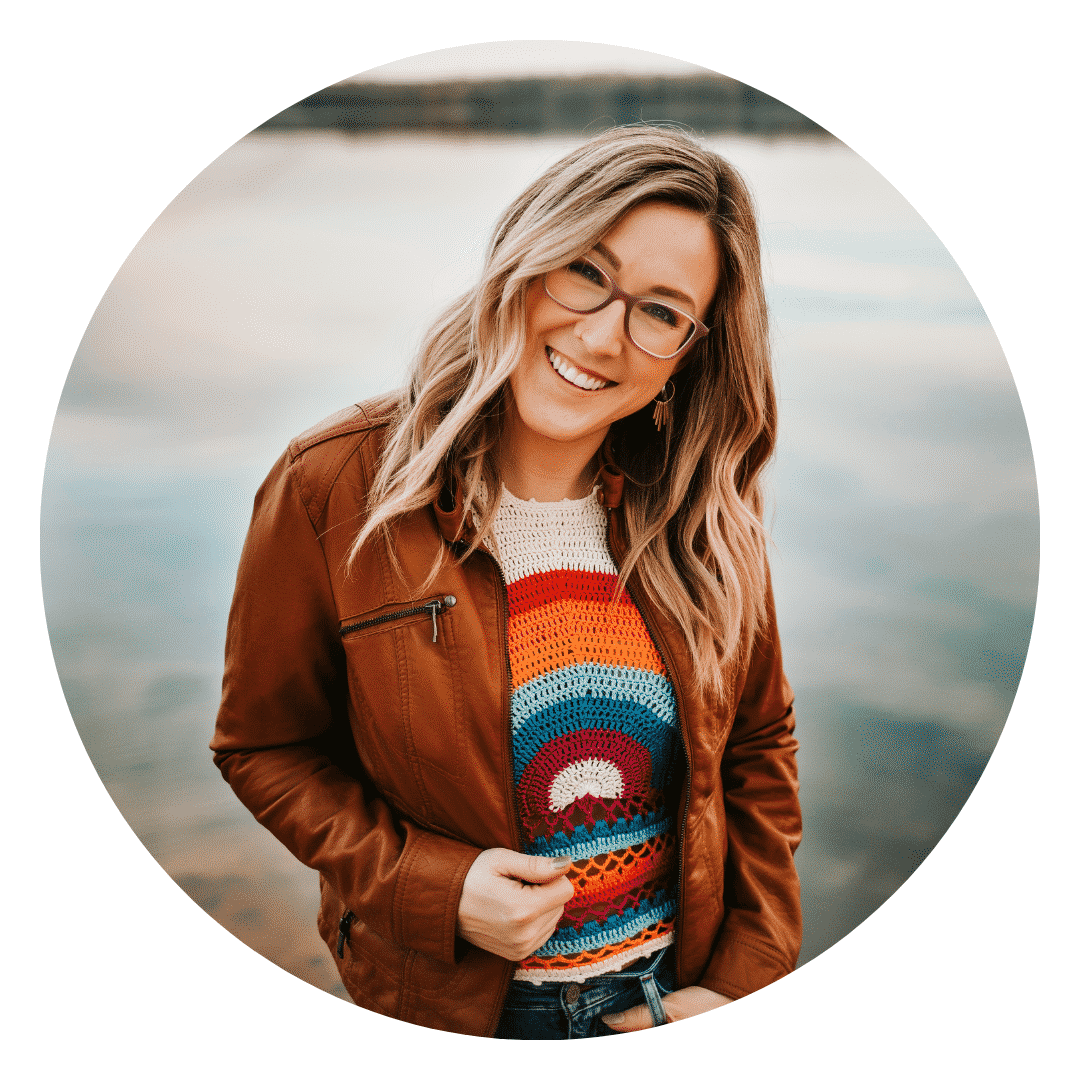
[[696, 539]]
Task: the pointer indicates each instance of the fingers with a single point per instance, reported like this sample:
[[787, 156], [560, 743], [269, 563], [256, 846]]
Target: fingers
[[550, 926], [692, 1000], [552, 894], [536, 869], [543, 881], [536, 914], [511, 903], [528, 882], [678, 1005], [532, 935], [545, 902], [635, 1019]]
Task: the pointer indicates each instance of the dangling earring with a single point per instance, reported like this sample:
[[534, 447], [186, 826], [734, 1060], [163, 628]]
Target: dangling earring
[[661, 413]]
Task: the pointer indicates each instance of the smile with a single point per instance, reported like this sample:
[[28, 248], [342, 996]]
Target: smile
[[574, 376]]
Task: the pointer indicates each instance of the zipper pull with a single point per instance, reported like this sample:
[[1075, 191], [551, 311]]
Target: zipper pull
[[436, 607], [343, 933]]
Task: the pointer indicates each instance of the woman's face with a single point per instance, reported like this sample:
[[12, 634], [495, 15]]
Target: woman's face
[[656, 249]]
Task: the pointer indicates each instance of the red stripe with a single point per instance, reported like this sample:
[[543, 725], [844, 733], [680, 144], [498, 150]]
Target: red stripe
[[589, 586]]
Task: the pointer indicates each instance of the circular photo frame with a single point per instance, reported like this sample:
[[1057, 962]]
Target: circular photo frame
[[297, 274]]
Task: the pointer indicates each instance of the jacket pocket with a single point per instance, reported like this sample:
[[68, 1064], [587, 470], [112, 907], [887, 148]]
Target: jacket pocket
[[374, 622], [405, 684]]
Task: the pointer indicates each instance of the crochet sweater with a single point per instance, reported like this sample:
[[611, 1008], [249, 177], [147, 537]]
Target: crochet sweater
[[594, 733]]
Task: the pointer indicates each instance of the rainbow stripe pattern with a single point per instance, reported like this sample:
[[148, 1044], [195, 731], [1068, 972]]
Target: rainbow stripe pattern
[[594, 735]]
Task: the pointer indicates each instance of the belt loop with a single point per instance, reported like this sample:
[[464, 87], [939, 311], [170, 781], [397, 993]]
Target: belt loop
[[652, 999]]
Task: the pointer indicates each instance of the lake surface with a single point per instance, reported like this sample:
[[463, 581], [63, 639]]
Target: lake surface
[[297, 274]]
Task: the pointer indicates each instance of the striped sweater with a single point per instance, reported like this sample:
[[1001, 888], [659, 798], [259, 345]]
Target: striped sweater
[[594, 738]]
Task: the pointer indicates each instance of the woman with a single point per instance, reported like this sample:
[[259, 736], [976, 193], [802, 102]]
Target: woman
[[502, 661]]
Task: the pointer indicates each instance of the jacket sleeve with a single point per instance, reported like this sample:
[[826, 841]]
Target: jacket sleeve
[[760, 936], [283, 739]]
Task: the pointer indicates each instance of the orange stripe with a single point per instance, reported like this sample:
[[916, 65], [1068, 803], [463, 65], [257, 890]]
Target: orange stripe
[[619, 871], [594, 956], [605, 889], [567, 632]]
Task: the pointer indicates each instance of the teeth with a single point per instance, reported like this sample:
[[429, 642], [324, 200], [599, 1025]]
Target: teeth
[[571, 374]]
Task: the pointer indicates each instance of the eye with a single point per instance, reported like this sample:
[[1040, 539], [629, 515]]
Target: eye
[[662, 313], [585, 269]]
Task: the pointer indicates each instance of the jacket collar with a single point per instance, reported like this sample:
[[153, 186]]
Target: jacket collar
[[454, 528]]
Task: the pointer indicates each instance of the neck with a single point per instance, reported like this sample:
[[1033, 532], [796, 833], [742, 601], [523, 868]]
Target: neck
[[532, 467]]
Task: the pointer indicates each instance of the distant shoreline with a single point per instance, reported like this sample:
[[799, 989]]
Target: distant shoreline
[[705, 104]]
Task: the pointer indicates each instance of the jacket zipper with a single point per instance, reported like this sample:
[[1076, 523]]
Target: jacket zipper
[[343, 926], [436, 607], [505, 606], [685, 747]]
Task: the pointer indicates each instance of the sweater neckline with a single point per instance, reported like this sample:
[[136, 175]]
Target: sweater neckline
[[562, 504]]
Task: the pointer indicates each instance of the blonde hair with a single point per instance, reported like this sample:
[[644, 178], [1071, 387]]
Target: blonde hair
[[693, 501]]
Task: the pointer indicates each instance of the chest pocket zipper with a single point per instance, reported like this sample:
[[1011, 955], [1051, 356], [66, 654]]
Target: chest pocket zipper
[[436, 607]]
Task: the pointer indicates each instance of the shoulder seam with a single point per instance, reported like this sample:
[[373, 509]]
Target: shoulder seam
[[318, 457], [352, 420]]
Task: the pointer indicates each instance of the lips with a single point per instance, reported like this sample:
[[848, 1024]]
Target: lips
[[574, 375]]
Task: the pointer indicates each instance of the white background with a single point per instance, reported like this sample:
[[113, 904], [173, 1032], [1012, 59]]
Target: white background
[[967, 108]]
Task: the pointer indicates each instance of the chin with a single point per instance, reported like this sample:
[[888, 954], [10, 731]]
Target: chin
[[564, 431]]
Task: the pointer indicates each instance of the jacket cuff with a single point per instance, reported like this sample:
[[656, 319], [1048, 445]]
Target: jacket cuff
[[428, 894], [741, 964]]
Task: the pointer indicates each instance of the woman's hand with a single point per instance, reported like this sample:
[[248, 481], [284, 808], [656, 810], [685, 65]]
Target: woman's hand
[[677, 1005], [511, 903]]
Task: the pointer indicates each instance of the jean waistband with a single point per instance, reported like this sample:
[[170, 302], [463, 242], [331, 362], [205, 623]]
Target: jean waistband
[[634, 971]]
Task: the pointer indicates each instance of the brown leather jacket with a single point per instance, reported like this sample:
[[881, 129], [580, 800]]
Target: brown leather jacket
[[381, 756]]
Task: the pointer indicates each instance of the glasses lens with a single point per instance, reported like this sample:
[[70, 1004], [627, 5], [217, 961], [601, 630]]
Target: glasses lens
[[658, 328], [580, 286]]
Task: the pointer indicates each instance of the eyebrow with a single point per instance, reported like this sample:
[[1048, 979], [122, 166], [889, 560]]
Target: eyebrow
[[660, 290]]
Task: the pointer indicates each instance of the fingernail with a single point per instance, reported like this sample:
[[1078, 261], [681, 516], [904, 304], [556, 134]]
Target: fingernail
[[561, 861], [614, 1018]]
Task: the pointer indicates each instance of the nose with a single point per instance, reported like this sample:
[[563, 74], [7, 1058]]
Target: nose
[[602, 332]]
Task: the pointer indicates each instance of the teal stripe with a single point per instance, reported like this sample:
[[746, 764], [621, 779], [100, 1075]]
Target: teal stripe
[[616, 928], [578, 848], [602, 680]]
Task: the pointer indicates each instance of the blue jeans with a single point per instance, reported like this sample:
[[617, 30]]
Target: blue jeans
[[570, 1010]]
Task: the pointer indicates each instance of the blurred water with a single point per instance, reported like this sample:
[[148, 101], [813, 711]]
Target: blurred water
[[297, 273]]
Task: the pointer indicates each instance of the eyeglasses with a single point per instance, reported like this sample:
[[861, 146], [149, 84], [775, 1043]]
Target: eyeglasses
[[654, 326]]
